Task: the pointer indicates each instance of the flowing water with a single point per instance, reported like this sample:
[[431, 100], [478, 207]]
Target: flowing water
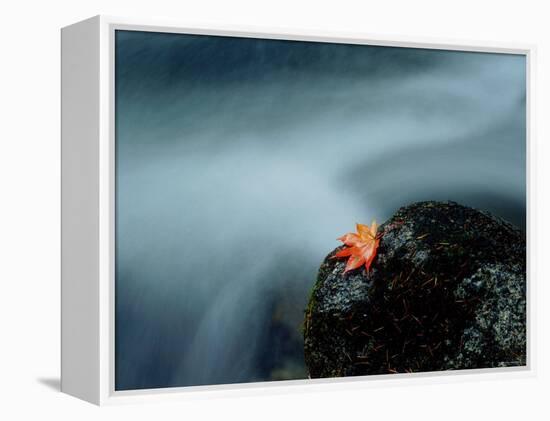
[[240, 161]]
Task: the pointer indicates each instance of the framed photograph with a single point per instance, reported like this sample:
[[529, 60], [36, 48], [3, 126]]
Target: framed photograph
[[244, 209]]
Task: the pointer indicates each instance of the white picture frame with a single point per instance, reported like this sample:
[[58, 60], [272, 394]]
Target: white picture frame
[[87, 359]]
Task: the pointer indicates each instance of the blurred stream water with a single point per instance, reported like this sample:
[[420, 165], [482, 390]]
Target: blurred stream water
[[239, 162]]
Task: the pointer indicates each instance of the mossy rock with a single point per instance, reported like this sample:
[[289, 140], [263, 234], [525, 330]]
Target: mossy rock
[[446, 291]]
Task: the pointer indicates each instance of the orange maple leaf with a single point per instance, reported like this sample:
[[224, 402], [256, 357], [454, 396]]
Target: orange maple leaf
[[361, 246]]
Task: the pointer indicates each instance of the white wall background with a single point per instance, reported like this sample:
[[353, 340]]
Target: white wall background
[[29, 206]]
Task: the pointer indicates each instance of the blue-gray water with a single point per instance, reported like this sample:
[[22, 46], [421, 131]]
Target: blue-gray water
[[239, 161]]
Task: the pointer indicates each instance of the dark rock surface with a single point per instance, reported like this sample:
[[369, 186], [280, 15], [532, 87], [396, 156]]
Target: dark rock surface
[[446, 291]]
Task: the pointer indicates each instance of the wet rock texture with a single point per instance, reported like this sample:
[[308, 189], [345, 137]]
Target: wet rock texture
[[446, 291]]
